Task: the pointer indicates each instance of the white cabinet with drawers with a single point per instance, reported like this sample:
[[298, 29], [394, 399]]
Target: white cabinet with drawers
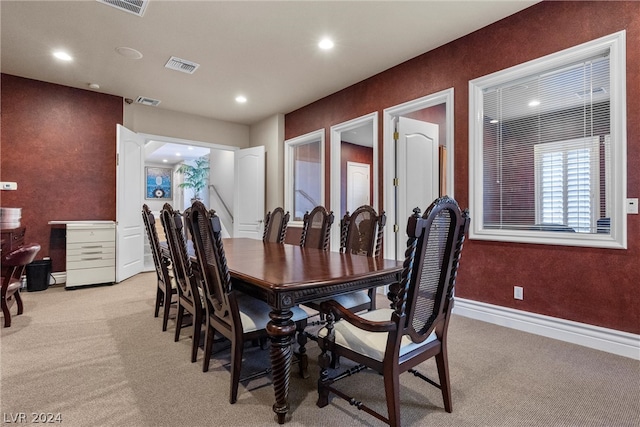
[[91, 253]]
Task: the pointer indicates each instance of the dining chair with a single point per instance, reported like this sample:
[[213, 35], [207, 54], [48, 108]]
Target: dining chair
[[166, 288], [13, 266], [189, 293], [316, 228], [275, 226], [235, 315], [361, 233], [394, 340]]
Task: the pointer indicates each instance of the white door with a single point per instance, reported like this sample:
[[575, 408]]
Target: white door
[[248, 201], [129, 193], [358, 185], [417, 172]]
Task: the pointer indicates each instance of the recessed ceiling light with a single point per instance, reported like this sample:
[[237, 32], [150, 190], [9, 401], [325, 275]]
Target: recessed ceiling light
[[64, 56], [129, 52], [178, 154], [241, 99], [326, 44], [164, 160], [94, 85], [534, 103]]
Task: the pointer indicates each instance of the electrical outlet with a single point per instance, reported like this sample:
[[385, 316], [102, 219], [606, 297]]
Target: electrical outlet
[[518, 292], [632, 206]]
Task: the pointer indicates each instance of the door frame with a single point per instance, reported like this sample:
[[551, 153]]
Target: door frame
[[151, 137], [336, 158], [389, 116]]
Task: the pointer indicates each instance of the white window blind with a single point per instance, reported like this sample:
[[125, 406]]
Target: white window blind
[[542, 156]]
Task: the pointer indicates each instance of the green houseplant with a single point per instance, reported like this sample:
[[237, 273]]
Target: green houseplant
[[196, 176]]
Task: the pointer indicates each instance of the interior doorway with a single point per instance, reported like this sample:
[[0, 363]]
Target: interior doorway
[[419, 165], [353, 141]]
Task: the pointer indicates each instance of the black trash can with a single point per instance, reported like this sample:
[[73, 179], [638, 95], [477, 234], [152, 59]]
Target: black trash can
[[38, 273]]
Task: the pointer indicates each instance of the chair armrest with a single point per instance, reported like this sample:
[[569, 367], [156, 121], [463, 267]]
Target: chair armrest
[[357, 321]]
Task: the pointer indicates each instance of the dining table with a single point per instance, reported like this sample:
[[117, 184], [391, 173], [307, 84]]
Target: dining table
[[287, 275]]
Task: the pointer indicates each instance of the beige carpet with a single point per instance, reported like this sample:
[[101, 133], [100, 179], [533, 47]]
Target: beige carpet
[[98, 357]]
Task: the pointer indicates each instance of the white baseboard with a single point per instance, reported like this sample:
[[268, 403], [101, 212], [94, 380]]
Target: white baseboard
[[60, 277], [609, 340]]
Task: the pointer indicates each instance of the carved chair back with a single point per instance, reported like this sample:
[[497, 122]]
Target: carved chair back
[[275, 226], [161, 263], [207, 239], [182, 268], [425, 293], [362, 231], [316, 228]]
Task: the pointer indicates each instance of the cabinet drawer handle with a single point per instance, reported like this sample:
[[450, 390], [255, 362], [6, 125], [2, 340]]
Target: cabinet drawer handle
[[91, 247], [91, 259]]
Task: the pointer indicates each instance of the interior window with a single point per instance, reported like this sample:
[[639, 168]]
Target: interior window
[[547, 140], [304, 178]]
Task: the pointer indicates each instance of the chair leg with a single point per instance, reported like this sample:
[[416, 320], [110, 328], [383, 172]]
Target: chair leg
[[18, 298], [179, 321], [323, 380], [392, 391], [443, 374], [195, 343], [208, 346], [372, 297], [158, 302], [165, 313], [303, 360], [335, 361], [7, 314], [237, 346]]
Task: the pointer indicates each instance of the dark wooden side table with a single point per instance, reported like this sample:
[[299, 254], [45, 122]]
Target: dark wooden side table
[[12, 238]]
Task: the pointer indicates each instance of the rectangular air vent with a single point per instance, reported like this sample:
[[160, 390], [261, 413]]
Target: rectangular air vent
[[181, 65], [137, 7], [147, 101]]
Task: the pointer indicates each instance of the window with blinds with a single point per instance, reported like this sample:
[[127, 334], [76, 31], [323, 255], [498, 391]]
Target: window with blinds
[[544, 139]]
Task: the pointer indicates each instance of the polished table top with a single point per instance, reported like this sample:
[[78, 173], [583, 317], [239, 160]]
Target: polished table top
[[279, 267]]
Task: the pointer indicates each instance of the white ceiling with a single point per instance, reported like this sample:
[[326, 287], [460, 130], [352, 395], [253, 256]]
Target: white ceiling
[[264, 50]]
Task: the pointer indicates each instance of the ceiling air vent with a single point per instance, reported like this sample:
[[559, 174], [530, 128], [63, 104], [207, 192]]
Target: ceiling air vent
[[181, 65], [136, 7], [147, 101]]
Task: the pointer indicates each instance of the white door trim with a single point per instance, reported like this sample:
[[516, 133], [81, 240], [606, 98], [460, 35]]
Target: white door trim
[[336, 140], [388, 170]]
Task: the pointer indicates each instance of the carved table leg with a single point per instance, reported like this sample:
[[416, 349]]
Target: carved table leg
[[281, 329]]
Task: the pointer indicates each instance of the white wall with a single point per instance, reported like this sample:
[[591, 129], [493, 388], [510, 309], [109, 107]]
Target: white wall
[[221, 174], [270, 133], [156, 121]]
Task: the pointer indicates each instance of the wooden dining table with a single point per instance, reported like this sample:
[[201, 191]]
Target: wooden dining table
[[287, 275]]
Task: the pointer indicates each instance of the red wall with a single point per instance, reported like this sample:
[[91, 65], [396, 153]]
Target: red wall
[[593, 286], [59, 144]]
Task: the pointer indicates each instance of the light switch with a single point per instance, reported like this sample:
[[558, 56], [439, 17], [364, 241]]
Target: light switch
[[632, 206], [9, 185]]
